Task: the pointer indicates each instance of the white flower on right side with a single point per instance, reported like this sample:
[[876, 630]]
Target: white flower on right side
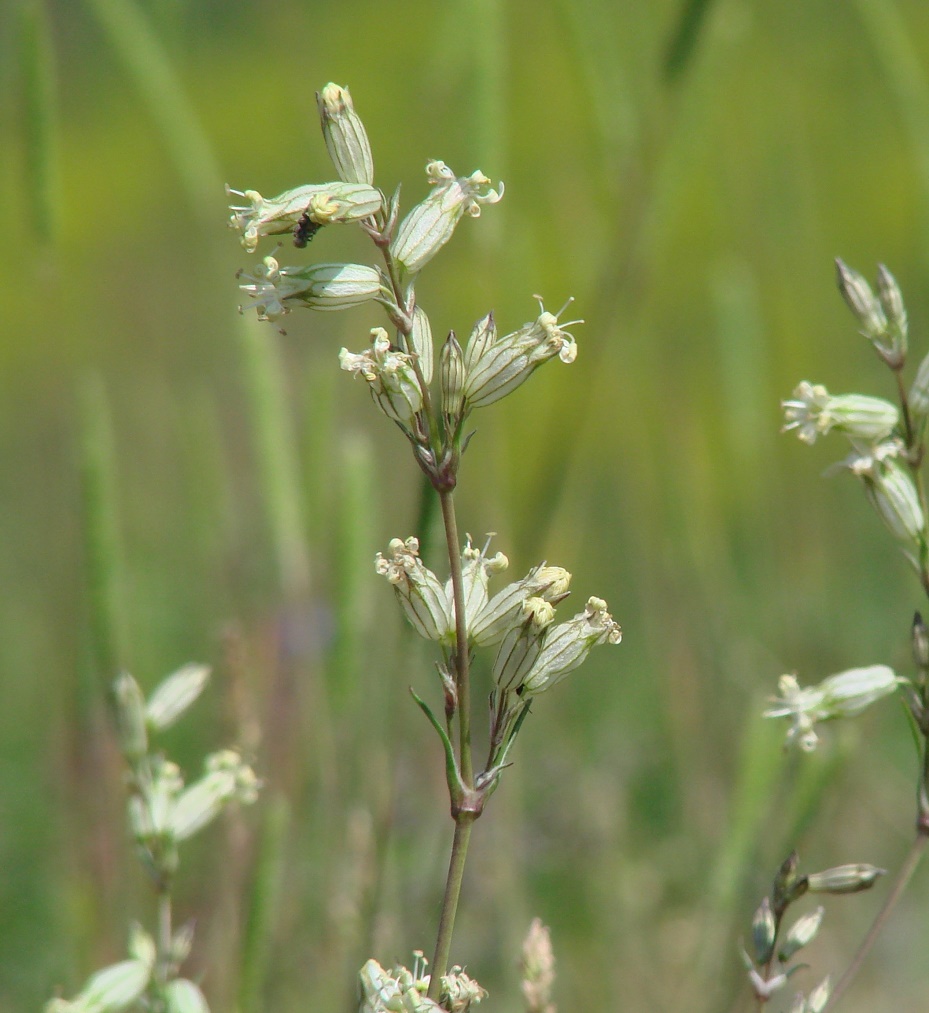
[[838, 696], [813, 411]]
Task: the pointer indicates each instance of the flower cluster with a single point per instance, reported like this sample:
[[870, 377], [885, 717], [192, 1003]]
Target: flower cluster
[[163, 811], [769, 968], [885, 439], [534, 652], [402, 991]]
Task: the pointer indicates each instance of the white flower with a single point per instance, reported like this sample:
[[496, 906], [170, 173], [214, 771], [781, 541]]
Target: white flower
[[390, 377], [423, 598], [498, 366], [838, 696], [430, 225], [276, 290], [568, 644], [323, 203], [813, 411]]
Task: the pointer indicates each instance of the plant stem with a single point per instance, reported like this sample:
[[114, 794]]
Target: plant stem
[[462, 679], [463, 819], [164, 936], [903, 878], [456, 864]]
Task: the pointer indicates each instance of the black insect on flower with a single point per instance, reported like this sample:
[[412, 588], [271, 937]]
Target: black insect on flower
[[305, 230]]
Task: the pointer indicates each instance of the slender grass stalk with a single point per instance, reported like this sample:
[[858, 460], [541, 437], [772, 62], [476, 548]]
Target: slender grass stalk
[[904, 875], [41, 123], [146, 62], [104, 558], [263, 905]]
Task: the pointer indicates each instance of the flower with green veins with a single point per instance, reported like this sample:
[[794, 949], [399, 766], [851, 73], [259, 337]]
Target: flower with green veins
[[838, 696], [323, 203], [326, 287], [430, 225]]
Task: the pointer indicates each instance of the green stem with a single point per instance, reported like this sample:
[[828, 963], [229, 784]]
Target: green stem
[[903, 878], [164, 937], [456, 865], [462, 679]]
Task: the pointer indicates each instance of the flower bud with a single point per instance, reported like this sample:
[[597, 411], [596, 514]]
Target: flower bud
[[277, 290], [141, 945], [421, 596], [321, 203], [919, 640], [845, 879], [390, 377], [452, 379], [919, 391], [764, 931], [817, 1000], [130, 717], [172, 698], [861, 301], [802, 932], [504, 364], [892, 493], [421, 342], [345, 135], [483, 335], [429, 226], [568, 644], [183, 996], [113, 988]]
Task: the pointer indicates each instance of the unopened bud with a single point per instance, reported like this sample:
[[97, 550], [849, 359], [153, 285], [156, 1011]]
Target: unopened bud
[[421, 342], [819, 997], [919, 639], [130, 717], [346, 138], [892, 493], [787, 884], [452, 379], [919, 391], [802, 932], [183, 996], [483, 335], [172, 698], [764, 930], [888, 291], [861, 301], [845, 879]]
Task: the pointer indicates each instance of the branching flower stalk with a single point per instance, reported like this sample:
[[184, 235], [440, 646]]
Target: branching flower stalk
[[430, 394], [887, 451], [163, 812]]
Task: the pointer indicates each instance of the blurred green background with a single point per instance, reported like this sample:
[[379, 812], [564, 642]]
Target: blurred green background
[[179, 484]]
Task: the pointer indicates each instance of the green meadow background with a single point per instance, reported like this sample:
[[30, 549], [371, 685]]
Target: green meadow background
[[180, 483]]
